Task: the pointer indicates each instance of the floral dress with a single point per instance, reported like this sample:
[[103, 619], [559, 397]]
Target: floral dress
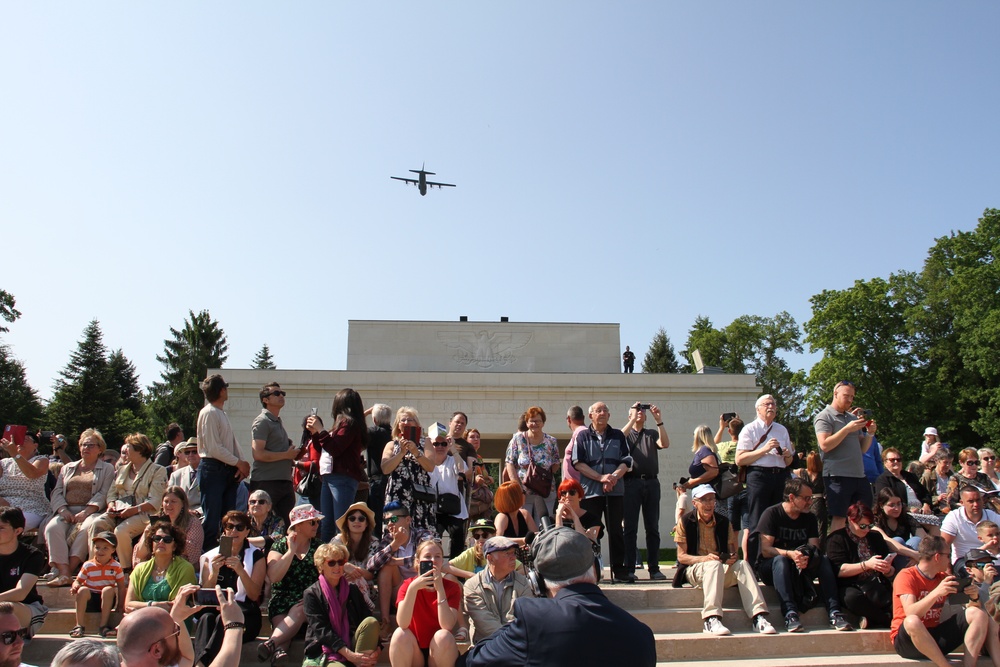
[[545, 454], [19, 491], [301, 574], [400, 489]]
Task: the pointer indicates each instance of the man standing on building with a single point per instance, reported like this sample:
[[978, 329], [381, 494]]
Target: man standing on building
[[628, 359], [602, 459], [844, 436], [764, 446], [642, 487], [222, 465], [273, 452], [186, 475], [575, 421]]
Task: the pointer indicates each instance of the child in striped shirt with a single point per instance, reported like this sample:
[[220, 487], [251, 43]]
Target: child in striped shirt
[[96, 584]]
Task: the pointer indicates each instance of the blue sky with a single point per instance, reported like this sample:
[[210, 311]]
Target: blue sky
[[640, 163]]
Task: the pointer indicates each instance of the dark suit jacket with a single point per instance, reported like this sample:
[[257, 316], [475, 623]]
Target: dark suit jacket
[[579, 626], [898, 486]]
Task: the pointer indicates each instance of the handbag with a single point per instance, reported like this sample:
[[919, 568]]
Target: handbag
[[537, 479], [729, 481], [443, 503], [308, 486], [481, 500]]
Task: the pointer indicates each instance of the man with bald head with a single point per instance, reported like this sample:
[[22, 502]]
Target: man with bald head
[[765, 447], [601, 456]]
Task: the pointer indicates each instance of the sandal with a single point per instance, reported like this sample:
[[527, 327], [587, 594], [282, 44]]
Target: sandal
[[279, 654], [61, 581], [265, 651], [108, 632], [77, 632], [462, 636]]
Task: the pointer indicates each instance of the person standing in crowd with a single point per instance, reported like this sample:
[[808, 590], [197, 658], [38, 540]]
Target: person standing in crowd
[[642, 487], [272, 452], [602, 459], [340, 463], [456, 436], [575, 421], [765, 447], [844, 435], [222, 465], [734, 507], [532, 447], [925, 626], [554, 628], [407, 465], [186, 477], [706, 559], [790, 558], [379, 436], [628, 360], [166, 451]]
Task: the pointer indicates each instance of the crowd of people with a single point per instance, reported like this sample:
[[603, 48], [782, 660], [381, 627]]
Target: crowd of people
[[419, 552]]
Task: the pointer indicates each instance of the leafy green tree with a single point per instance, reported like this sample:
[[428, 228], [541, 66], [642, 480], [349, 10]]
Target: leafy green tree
[[86, 394], [709, 341], [7, 310], [263, 360], [188, 354], [958, 334], [660, 357], [866, 338], [19, 402]]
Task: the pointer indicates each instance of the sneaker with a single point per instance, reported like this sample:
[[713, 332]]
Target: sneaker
[[792, 622], [657, 576], [763, 626], [714, 626], [838, 622]]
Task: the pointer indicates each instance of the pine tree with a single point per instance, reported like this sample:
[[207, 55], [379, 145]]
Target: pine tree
[[19, 402], [7, 310], [263, 360], [660, 358], [86, 395], [200, 345]]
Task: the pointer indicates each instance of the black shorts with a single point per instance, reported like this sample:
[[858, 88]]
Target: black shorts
[[94, 602], [842, 492], [949, 635]]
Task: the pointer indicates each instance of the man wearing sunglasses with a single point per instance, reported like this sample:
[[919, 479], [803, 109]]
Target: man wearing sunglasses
[[642, 488], [12, 636], [273, 453], [392, 562]]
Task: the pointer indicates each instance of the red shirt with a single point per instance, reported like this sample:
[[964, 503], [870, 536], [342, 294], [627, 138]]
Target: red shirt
[[425, 619], [910, 581], [345, 445]]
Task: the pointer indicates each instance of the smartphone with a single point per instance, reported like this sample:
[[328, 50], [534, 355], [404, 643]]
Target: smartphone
[[888, 559], [207, 597], [225, 546], [412, 433], [426, 566], [314, 412], [15, 433], [728, 416]]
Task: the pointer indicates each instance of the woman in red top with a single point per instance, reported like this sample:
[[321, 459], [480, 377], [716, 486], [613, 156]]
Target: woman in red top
[[309, 456], [340, 463], [426, 612]]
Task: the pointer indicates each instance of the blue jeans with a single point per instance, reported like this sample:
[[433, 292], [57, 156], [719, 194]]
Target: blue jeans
[[336, 496], [642, 494], [218, 495], [781, 573], [902, 561]]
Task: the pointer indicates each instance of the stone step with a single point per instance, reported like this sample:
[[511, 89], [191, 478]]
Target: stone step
[[700, 647], [863, 660]]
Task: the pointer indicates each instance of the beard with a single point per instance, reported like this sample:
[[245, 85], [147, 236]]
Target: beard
[[171, 654], [13, 659]]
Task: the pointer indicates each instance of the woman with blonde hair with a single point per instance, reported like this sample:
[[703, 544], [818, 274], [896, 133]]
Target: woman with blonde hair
[[406, 465], [512, 520], [704, 468], [428, 611]]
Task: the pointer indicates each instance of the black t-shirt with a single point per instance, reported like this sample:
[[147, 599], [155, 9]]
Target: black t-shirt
[[788, 533], [378, 437], [588, 520], [24, 560], [465, 449]]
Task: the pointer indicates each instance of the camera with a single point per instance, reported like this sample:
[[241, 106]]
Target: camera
[[642, 406], [45, 438], [682, 481], [728, 416]]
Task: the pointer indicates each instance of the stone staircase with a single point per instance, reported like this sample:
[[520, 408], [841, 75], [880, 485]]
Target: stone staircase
[[674, 615]]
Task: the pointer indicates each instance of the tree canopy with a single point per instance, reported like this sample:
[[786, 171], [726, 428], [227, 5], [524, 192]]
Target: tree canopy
[[263, 359]]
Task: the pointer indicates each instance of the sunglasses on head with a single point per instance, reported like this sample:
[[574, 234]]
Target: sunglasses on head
[[236, 526], [166, 539], [9, 636], [336, 562]]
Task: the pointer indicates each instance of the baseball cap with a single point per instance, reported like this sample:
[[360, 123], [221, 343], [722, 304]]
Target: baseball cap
[[702, 490], [108, 537]]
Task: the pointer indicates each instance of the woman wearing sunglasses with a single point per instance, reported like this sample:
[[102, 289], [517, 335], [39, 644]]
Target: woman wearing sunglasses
[[244, 573], [264, 521], [988, 466], [570, 514], [155, 582], [340, 629], [357, 526], [472, 560], [864, 571], [968, 474], [175, 508]]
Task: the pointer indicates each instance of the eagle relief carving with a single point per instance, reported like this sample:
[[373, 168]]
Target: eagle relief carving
[[484, 349]]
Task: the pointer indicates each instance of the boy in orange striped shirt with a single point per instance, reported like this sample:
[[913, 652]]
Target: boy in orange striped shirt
[[96, 584]]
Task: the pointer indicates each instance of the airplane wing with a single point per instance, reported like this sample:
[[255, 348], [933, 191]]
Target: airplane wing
[[438, 185], [412, 181]]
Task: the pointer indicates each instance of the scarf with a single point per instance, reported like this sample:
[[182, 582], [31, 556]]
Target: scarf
[[337, 600]]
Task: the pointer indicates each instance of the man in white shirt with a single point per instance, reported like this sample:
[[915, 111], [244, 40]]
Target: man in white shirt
[[959, 527], [764, 446], [222, 465]]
